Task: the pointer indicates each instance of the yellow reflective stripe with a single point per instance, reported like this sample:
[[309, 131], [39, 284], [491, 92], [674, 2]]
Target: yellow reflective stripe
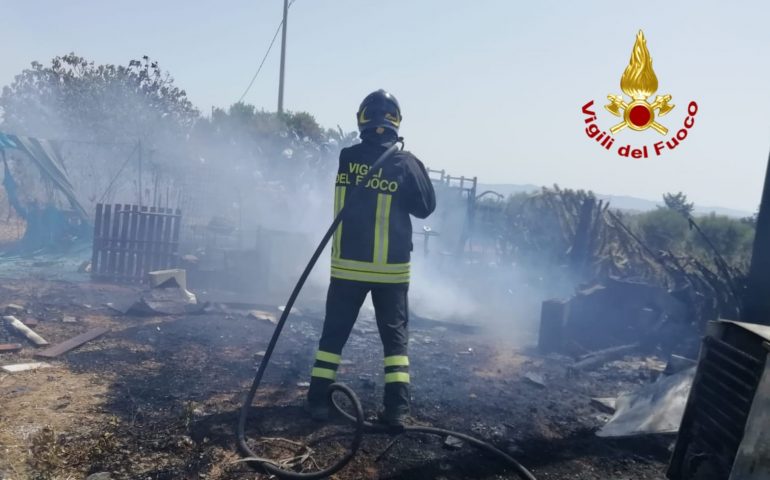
[[372, 277], [328, 357], [378, 270], [326, 373], [339, 202], [394, 377], [377, 229], [369, 266], [381, 229], [336, 209], [397, 361], [386, 230]]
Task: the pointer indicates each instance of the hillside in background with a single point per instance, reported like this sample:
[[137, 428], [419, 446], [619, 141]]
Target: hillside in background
[[621, 202]]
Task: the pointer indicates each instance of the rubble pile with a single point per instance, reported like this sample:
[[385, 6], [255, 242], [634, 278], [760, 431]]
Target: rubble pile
[[627, 290]]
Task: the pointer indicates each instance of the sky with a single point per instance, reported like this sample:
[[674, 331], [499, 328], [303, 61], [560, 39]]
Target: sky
[[488, 88]]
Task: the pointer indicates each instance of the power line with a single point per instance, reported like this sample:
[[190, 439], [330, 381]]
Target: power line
[[262, 63]]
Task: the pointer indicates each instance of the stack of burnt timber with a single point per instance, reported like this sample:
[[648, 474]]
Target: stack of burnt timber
[[629, 292]]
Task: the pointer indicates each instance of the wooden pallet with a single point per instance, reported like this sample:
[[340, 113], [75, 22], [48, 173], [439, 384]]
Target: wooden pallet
[[131, 241]]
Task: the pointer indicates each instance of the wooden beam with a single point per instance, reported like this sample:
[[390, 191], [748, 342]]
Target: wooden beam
[[72, 343], [600, 357], [24, 330], [9, 347]]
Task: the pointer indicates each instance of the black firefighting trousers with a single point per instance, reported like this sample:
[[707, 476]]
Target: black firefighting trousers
[[391, 308]]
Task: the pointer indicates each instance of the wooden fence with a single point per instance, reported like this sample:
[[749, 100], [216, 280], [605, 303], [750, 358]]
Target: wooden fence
[[130, 241]]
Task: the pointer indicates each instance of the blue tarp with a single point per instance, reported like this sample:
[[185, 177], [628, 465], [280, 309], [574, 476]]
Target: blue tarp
[[45, 155]]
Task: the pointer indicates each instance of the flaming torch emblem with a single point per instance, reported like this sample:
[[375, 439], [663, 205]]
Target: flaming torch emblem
[[639, 82]]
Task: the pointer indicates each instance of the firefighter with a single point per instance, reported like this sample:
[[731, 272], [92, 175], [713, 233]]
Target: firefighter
[[370, 253]]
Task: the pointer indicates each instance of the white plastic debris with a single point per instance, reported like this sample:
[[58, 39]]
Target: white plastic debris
[[654, 408], [23, 367]]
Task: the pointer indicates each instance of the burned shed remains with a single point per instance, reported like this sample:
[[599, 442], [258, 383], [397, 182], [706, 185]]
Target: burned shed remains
[[724, 432], [629, 292], [39, 190]]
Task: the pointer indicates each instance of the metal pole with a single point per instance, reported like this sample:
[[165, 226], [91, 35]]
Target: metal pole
[[139, 146], [756, 307], [283, 55]]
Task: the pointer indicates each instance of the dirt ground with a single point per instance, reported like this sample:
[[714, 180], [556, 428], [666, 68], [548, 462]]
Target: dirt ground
[[157, 398], [12, 229]]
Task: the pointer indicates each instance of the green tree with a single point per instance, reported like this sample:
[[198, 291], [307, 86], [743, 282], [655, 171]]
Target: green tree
[[255, 145], [663, 229], [751, 220], [102, 111], [678, 203], [304, 125], [77, 99], [731, 237]]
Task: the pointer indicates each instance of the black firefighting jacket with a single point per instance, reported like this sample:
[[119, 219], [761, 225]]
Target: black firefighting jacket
[[374, 241]]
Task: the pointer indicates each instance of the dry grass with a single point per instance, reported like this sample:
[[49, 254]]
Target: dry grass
[[38, 409]]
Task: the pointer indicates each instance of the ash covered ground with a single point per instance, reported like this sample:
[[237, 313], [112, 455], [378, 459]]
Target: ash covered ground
[[157, 397]]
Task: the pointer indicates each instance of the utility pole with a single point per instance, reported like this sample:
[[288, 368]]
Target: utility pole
[[283, 55], [756, 303], [139, 158]]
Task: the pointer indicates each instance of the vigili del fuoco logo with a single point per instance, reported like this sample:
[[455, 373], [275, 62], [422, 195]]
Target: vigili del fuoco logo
[[640, 83]]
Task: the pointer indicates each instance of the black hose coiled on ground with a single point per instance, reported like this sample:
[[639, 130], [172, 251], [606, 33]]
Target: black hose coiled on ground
[[361, 425]]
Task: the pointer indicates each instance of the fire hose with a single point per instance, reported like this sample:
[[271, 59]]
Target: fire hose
[[361, 426]]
